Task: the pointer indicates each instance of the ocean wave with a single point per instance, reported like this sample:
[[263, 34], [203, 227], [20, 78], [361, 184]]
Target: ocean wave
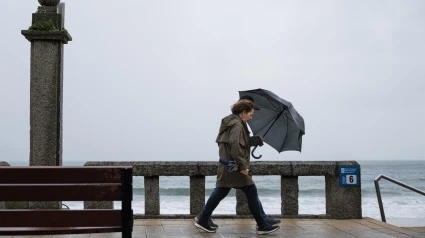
[[186, 192], [261, 191], [266, 192], [397, 207]]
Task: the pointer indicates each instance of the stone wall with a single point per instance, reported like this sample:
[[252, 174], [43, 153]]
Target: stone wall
[[341, 202]]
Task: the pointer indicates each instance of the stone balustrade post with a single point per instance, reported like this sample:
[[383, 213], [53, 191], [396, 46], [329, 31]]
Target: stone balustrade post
[[241, 203], [152, 203], [343, 202], [289, 194], [197, 194]]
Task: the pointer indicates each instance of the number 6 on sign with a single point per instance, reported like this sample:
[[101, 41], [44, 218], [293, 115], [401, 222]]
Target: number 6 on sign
[[349, 176], [351, 179]]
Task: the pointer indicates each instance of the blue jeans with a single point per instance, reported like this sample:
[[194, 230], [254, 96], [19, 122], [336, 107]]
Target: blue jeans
[[220, 193], [259, 203]]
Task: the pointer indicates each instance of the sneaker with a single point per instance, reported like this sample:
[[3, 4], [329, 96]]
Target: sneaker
[[210, 223], [272, 221], [204, 227], [266, 229]]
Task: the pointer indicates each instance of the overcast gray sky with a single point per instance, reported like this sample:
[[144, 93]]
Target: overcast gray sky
[[151, 80]]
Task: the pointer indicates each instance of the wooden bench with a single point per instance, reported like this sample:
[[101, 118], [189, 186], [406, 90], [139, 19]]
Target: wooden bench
[[58, 183]]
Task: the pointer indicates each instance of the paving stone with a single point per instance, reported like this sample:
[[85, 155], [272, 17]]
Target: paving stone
[[68, 236], [184, 236], [106, 235]]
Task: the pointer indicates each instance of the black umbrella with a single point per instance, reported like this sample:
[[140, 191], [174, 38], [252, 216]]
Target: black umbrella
[[277, 121]]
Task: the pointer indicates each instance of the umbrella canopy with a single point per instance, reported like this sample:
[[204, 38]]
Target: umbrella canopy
[[277, 121]]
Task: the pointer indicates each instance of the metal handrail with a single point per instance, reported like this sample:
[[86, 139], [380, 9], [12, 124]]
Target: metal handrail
[[378, 192]]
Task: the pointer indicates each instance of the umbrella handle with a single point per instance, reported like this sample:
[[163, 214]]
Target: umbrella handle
[[252, 153]]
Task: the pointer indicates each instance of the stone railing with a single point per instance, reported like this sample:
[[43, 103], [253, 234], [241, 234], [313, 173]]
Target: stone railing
[[341, 202]]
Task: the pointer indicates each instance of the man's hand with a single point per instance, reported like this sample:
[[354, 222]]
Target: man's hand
[[244, 171], [262, 138]]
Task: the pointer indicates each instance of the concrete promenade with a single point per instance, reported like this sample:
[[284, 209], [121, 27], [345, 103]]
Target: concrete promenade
[[291, 228]]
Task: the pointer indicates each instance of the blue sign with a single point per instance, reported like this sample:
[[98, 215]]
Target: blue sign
[[349, 176]]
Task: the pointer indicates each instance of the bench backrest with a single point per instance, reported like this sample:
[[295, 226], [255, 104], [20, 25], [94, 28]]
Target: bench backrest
[[58, 183]]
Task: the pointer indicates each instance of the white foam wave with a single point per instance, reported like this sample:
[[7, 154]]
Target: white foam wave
[[398, 207]]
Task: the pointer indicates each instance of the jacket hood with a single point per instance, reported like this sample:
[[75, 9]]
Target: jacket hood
[[228, 122]]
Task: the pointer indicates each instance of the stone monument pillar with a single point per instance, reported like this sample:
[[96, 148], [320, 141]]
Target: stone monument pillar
[[47, 35]]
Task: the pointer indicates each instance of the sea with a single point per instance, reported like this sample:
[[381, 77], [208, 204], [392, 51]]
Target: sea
[[398, 202]]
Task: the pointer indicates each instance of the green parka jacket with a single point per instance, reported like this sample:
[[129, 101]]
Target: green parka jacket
[[234, 144]]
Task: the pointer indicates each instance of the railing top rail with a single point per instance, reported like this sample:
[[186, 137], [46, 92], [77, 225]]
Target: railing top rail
[[381, 176], [378, 192], [209, 168]]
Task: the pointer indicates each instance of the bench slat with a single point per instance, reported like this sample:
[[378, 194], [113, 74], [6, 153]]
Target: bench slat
[[87, 192], [60, 174], [60, 218], [56, 230]]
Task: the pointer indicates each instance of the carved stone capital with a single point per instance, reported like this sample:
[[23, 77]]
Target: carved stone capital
[[53, 3]]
